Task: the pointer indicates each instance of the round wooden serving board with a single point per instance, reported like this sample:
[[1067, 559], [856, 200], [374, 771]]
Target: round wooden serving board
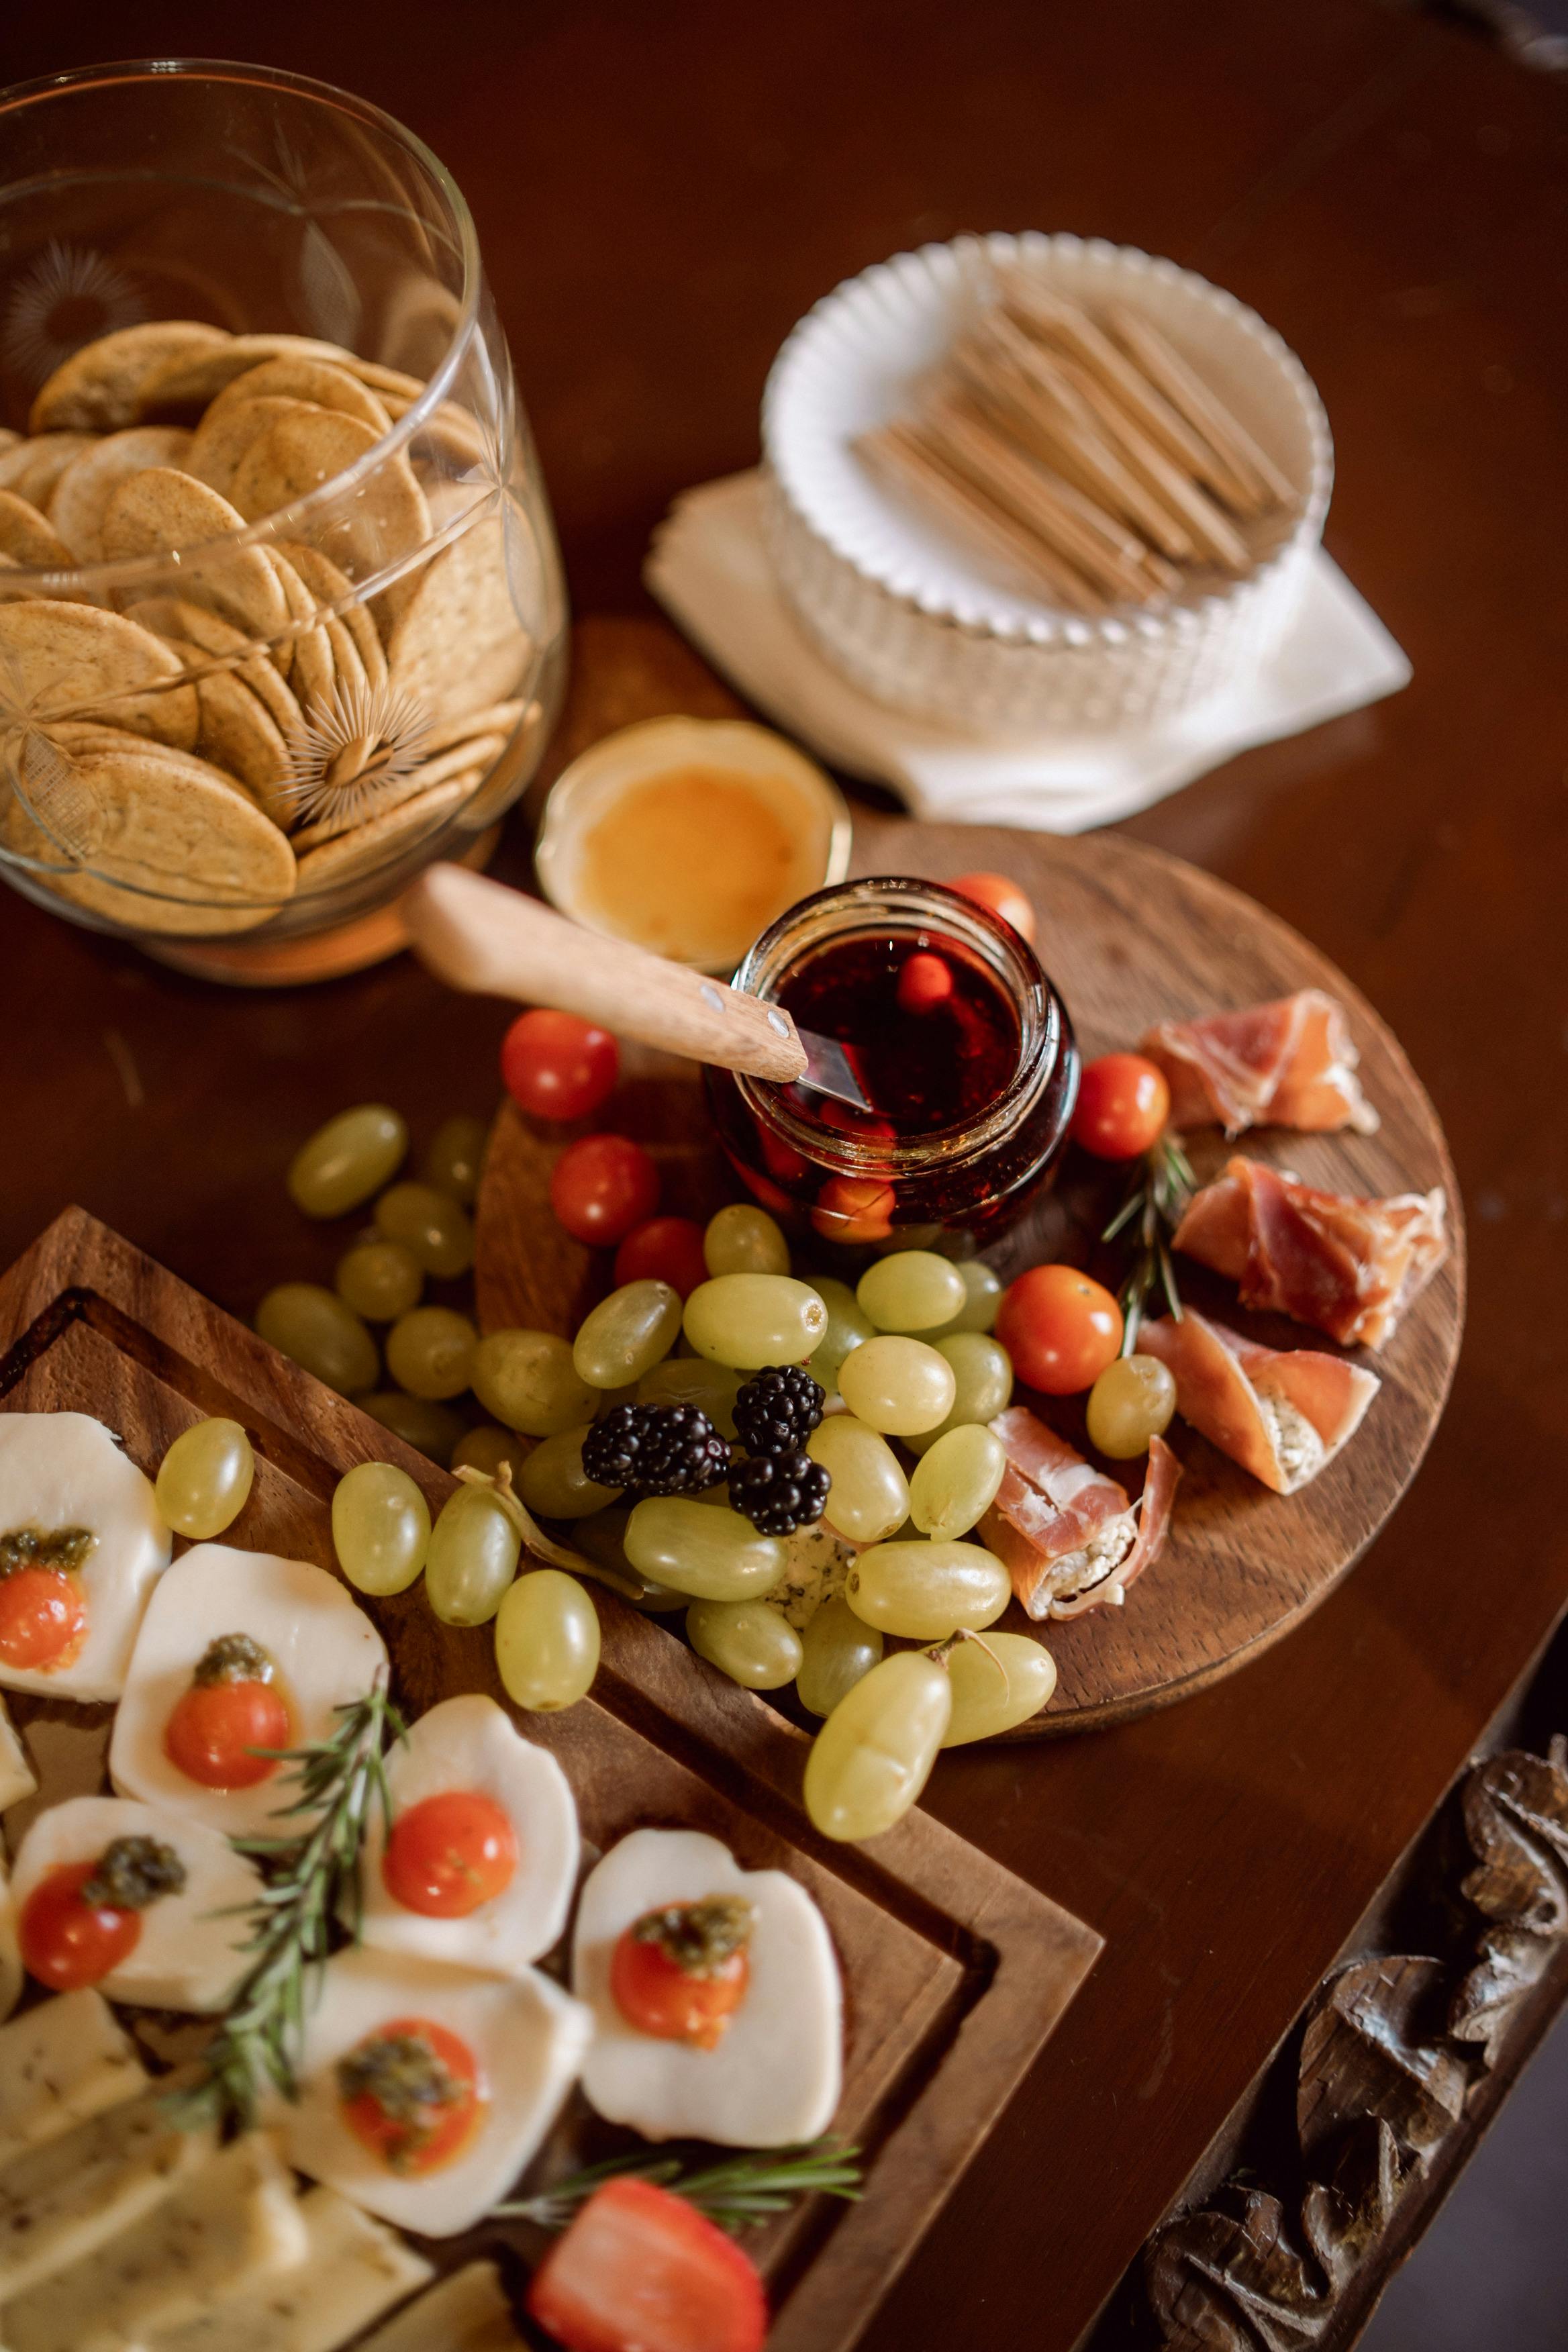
[[1129, 936]]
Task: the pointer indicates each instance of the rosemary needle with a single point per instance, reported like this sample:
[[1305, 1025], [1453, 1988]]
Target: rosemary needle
[[740, 2194], [1162, 1187]]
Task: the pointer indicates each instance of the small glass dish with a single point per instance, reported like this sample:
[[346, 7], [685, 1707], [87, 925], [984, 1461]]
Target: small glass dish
[[252, 721]]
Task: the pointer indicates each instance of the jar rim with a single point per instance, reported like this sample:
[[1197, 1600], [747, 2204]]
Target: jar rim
[[285, 522], [912, 903]]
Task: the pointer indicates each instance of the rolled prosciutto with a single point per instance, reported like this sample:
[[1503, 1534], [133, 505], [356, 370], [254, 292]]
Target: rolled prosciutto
[[1349, 1266], [1289, 1063], [1282, 1413], [1068, 1534]]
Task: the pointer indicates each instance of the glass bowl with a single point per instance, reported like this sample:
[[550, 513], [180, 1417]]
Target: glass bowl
[[259, 664]]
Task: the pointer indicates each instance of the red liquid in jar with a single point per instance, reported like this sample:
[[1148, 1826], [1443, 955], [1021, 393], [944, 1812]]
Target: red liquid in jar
[[940, 1065]]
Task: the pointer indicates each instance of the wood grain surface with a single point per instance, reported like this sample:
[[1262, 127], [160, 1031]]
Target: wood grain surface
[[1130, 937], [956, 1972], [659, 195]]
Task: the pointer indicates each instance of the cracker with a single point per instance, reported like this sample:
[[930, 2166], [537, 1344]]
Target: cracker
[[382, 838], [160, 510], [388, 517], [384, 379], [99, 387], [189, 381], [467, 760], [34, 466], [321, 382], [192, 627], [28, 539], [179, 847], [494, 719], [457, 641], [73, 661], [9, 440], [328, 585], [81, 495], [239, 734], [225, 434], [312, 673]]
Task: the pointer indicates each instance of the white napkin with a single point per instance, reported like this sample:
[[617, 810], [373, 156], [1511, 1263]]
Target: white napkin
[[709, 569]]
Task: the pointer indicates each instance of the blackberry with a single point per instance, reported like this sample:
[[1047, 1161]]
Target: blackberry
[[655, 1449], [776, 1411], [779, 1492]]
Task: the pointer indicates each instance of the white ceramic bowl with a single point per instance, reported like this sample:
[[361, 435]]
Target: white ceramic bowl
[[895, 606]]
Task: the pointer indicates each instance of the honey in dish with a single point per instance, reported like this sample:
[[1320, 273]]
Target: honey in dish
[[693, 861]]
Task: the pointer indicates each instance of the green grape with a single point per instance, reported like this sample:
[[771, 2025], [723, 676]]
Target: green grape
[[487, 1447], [693, 1379], [430, 1351], [601, 1540], [872, 1757], [472, 1558], [347, 1160], [837, 1649], [744, 1240], [988, 1696], [431, 1224], [381, 1528], [455, 1156], [869, 1495], [430, 1428], [848, 1326], [380, 1280], [1131, 1402], [710, 1555], [547, 1641], [627, 1334], [911, 1290], [982, 1291], [527, 1379], [955, 1483], [552, 1481], [748, 1320], [899, 1386], [752, 1643], [204, 1479], [982, 1383], [314, 1326], [924, 1591]]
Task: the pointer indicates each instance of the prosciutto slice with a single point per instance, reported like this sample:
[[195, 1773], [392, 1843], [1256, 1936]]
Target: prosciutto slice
[[1289, 1063], [1067, 1533], [1282, 1413], [1349, 1266]]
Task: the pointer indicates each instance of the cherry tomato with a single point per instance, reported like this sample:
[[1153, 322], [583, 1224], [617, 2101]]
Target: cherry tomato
[[666, 1249], [782, 1159], [1003, 897], [924, 983], [557, 1066], [214, 1726], [659, 1996], [438, 2133], [67, 1943], [1060, 1328], [1123, 1102], [854, 1209], [603, 1186], [639, 2270], [42, 1616], [450, 1854]]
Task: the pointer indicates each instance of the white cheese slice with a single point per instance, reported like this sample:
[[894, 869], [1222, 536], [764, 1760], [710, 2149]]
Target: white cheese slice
[[468, 2312], [59, 2203], [225, 2231], [187, 1955], [65, 1470], [60, 2062], [18, 1779], [353, 2270]]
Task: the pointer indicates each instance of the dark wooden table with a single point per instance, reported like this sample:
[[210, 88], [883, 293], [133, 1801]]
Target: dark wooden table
[[660, 192]]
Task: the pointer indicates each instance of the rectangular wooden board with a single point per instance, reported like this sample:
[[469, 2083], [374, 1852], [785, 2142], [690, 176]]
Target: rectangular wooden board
[[955, 1971]]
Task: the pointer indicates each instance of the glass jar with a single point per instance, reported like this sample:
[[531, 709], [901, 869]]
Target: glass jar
[[968, 1055], [257, 664]]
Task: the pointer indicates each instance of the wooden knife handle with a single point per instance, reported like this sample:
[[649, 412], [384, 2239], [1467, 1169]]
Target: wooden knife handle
[[476, 934]]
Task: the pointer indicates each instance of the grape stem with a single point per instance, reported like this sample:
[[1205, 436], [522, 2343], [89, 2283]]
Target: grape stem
[[544, 1546], [942, 1651], [1162, 1186]]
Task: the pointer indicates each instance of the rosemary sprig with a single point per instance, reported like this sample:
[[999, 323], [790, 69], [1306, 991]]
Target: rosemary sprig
[[1162, 1186], [309, 1875], [740, 2194]]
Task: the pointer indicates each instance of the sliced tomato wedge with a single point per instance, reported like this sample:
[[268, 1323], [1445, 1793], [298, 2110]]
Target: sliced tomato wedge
[[641, 2270]]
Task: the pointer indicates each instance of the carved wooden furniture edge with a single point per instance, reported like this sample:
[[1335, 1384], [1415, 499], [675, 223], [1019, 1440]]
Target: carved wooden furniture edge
[[1397, 2053]]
